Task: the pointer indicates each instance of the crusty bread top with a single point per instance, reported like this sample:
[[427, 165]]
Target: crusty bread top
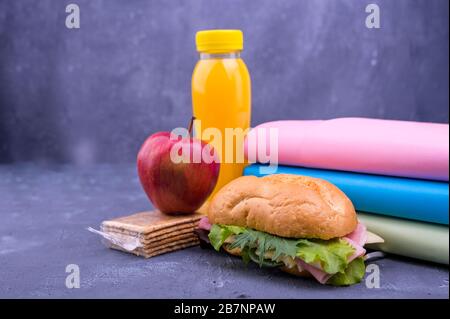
[[285, 205]]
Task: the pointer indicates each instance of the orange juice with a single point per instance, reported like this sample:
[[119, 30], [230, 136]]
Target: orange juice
[[221, 97]]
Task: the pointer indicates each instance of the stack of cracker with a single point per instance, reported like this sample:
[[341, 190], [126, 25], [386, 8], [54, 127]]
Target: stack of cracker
[[151, 233]]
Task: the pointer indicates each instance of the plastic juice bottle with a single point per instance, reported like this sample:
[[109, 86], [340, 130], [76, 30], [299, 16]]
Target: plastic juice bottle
[[221, 97]]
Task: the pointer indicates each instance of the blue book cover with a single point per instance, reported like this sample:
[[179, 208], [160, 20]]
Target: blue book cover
[[393, 196]]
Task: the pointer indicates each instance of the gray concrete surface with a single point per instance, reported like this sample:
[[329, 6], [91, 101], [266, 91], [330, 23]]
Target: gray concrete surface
[[44, 211]]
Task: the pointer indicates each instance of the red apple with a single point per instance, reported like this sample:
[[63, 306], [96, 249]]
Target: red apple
[[173, 186]]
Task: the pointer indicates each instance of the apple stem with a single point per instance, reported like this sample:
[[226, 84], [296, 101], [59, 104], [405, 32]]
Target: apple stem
[[191, 124]]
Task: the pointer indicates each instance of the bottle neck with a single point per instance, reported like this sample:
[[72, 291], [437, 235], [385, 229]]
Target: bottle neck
[[227, 55]]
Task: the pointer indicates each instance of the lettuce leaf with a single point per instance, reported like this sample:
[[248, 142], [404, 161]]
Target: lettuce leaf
[[353, 274], [219, 233], [330, 255], [262, 242]]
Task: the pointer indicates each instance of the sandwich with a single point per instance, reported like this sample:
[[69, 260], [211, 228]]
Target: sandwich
[[304, 226]]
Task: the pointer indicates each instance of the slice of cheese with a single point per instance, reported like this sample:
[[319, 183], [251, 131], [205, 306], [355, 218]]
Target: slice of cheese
[[373, 238]]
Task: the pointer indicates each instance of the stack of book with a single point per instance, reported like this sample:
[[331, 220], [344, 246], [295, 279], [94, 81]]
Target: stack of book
[[395, 172]]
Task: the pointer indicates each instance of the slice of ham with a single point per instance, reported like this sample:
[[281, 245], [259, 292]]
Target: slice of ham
[[359, 235], [317, 273], [359, 250], [356, 239], [204, 223]]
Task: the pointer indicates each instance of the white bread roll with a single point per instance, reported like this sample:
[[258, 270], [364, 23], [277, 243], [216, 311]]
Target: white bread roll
[[285, 205]]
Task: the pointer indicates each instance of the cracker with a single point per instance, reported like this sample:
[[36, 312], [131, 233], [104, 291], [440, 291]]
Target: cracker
[[140, 252], [160, 232], [153, 247], [173, 235], [169, 249], [153, 241], [149, 222], [170, 240], [150, 233]]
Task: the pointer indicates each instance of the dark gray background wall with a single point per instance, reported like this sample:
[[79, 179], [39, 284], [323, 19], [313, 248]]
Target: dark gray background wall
[[94, 94]]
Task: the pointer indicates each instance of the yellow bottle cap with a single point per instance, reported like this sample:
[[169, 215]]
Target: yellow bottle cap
[[219, 41]]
